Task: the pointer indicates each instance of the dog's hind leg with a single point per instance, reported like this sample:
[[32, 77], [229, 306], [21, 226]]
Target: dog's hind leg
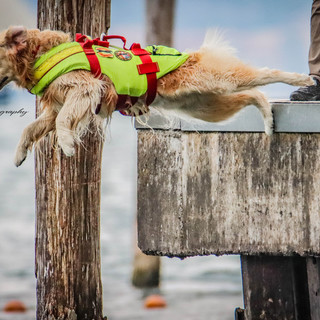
[[221, 107], [33, 132], [265, 76], [262, 103]]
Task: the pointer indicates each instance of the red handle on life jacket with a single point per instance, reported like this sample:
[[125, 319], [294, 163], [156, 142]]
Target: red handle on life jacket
[[81, 37], [124, 40], [87, 42]]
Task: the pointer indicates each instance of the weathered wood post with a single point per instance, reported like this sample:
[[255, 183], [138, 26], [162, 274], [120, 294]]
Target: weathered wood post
[[160, 21], [159, 26], [68, 195], [230, 189]]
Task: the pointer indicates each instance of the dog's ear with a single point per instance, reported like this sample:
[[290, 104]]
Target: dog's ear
[[16, 38]]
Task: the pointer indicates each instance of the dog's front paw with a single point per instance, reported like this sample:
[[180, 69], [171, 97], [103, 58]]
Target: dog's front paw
[[66, 143], [21, 155], [68, 151]]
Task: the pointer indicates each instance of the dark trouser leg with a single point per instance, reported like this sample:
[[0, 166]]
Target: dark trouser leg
[[314, 52], [312, 93]]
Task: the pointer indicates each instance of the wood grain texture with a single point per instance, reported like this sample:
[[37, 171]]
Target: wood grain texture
[[68, 195], [90, 17], [68, 232], [313, 268], [218, 193], [275, 288]]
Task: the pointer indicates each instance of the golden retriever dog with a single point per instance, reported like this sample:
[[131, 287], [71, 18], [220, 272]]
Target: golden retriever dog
[[212, 85]]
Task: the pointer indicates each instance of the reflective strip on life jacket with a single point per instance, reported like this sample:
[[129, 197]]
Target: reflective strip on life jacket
[[44, 67], [56, 62]]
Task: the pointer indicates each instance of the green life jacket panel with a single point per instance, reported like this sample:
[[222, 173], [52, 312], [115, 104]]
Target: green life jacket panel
[[118, 64]]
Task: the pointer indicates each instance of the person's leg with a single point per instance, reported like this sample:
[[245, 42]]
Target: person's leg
[[312, 93], [314, 52]]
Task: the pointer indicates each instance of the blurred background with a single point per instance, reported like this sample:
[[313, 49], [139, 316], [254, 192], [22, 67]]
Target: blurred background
[[266, 33]]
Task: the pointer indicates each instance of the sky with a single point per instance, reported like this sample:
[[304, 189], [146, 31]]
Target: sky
[[273, 33]]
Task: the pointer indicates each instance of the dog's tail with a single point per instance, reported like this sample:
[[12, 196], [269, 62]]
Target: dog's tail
[[214, 41]]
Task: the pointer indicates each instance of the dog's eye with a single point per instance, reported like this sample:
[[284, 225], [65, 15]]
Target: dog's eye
[[3, 80]]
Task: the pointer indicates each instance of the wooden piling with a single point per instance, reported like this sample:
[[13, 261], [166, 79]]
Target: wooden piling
[[160, 21], [146, 270], [275, 288], [68, 195], [313, 271]]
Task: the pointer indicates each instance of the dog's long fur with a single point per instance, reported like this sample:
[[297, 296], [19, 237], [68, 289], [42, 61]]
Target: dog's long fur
[[212, 85]]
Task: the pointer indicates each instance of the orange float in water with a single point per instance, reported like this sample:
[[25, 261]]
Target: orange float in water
[[15, 306], [155, 301]]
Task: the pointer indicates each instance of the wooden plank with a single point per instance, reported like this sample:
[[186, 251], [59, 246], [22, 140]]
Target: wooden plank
[[166, 157], [215, 193], [288, 116], [275, 288], [313, 267]]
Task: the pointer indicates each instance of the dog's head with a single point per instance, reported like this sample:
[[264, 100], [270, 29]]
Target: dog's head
[[19, 49], [13, 44]]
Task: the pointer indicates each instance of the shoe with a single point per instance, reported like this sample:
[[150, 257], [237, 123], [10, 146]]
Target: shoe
[[310, 93]]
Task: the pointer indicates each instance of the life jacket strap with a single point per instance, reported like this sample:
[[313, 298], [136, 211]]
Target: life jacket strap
[[86, 43], [149, 68], [124, 103]]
